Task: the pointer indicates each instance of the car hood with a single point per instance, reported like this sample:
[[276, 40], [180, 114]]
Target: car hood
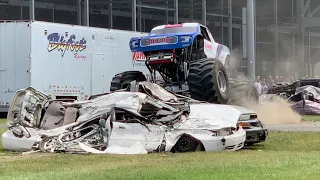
[[213, 116]]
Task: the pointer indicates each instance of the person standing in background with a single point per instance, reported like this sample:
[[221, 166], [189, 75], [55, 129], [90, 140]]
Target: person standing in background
[[264, 87], [270, 81], [276, 79], [258, 85]]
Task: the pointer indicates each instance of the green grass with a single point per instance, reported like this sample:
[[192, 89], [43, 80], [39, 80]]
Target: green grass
[[311, 118], [2, 121], [285, 155]]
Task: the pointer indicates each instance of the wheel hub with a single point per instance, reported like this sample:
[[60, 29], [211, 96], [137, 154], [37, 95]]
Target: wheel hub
[[186, 144], [222, 83]]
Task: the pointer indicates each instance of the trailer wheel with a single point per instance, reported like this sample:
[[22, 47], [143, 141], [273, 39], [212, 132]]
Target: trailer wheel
[[208, 81], [123, 80]]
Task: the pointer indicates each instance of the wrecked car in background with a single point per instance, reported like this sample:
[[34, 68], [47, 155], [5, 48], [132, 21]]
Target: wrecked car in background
[[303, 95], [145, 118]]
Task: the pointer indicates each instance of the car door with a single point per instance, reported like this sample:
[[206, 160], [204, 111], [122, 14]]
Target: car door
[[126, 134]]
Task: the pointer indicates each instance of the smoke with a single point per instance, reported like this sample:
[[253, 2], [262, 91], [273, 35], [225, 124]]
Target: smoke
[[277, 111]]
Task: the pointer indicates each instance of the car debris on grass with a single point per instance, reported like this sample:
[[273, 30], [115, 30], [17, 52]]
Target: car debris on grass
[[303, 95]]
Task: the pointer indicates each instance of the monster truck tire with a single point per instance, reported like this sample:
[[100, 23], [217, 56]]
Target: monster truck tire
[[208, 81], [123, 80], [242, 92]]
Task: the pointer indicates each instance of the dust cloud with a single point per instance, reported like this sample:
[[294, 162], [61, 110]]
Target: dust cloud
[[275, 111]]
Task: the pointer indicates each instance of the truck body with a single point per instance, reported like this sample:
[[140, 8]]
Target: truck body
[[188, 59], [178, 36], [64, 61]]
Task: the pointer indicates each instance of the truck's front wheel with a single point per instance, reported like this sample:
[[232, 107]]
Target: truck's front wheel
[[123, 80], [208, 81]]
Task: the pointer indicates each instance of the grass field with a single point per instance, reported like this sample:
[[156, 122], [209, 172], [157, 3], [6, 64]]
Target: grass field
[[285, 155], [3, 121], [311, 118]]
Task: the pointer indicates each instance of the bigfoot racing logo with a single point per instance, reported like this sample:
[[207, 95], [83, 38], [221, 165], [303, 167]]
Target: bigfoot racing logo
[[138, 59], [59, 42]]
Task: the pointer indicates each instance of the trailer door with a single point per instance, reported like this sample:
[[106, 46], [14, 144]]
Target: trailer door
[[98, 82]]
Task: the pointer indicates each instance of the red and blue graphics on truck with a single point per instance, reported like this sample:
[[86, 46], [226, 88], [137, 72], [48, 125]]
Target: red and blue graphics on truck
[[161, 42], [158, 41]]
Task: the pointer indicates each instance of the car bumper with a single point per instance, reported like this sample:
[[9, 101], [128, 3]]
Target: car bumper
[[256, 135], [232, 142]]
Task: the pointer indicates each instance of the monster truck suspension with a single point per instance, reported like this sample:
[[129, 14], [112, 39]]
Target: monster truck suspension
[[173, 65]]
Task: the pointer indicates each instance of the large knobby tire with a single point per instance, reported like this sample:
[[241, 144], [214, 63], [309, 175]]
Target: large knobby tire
[[242, 92], [208, 81], [123, 80]]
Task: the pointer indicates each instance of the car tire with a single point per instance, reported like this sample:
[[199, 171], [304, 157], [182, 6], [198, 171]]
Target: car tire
[[185, 143], [208, 81], [123, 80]]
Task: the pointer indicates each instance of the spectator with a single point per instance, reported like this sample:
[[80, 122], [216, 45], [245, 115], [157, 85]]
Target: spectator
[[276, 80], [258, 85], [264, 86], [270, 81], [281, 79], [292, 79]]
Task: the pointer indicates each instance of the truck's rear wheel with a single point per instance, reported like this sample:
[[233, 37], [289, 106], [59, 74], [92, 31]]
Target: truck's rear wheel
[[208, 81], [123, 80], [242, 92]]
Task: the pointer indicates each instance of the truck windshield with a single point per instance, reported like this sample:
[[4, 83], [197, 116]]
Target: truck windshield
[[174, 30]]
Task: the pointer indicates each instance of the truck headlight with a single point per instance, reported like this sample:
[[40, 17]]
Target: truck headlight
[[185, 39], [134, 43], [244, 117]]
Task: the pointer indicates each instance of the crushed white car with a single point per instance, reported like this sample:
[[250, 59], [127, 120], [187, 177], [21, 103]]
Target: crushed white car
[[145, 119]]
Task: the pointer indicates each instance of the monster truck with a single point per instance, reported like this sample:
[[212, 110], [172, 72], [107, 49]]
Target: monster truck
[[188, 59]]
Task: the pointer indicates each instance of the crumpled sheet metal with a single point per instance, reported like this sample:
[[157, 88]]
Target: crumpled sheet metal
[[306, 107], [126, 100], [314, 91], [92, 132], [158, 92]]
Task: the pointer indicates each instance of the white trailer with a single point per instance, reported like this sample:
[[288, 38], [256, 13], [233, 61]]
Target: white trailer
[[63, 60]]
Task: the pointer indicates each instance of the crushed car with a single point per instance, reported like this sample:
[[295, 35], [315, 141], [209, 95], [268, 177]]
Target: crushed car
[[144, 118], [303, 95]]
